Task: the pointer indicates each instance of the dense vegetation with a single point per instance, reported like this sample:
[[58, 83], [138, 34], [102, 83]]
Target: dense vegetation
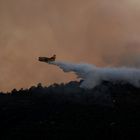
[[67, 111]]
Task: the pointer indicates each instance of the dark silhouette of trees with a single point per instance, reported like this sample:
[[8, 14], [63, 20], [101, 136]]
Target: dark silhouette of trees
[[64, 110]]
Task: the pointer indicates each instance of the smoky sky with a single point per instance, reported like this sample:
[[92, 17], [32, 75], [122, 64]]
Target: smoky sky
[[104, 33]]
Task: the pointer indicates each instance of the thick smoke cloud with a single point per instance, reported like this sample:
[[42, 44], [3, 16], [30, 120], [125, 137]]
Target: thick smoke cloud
[[93, 76], [100, 32]]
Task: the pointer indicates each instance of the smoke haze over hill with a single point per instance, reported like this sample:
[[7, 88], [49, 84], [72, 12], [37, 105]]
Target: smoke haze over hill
[[99, 32]]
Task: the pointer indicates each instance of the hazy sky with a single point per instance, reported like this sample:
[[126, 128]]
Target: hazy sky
[[105, 33]]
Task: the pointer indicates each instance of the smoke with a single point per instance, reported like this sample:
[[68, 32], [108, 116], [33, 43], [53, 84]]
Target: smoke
[[92, 76], [74, 30]]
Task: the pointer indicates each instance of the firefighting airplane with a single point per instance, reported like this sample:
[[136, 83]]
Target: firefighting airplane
[[47, 59]]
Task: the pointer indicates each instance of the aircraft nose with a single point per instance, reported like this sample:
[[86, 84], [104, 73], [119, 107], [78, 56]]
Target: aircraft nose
[[39, 58]]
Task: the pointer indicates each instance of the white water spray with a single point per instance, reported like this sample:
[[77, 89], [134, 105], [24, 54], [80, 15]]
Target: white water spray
[[93, 76]]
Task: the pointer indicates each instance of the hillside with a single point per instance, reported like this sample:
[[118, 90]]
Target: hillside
[[63, 111]]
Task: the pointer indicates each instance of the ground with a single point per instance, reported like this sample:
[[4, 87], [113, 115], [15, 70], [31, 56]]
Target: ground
[[66, 111]]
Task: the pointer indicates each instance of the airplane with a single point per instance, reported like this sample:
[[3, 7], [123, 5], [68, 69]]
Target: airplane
[[47, 59]]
